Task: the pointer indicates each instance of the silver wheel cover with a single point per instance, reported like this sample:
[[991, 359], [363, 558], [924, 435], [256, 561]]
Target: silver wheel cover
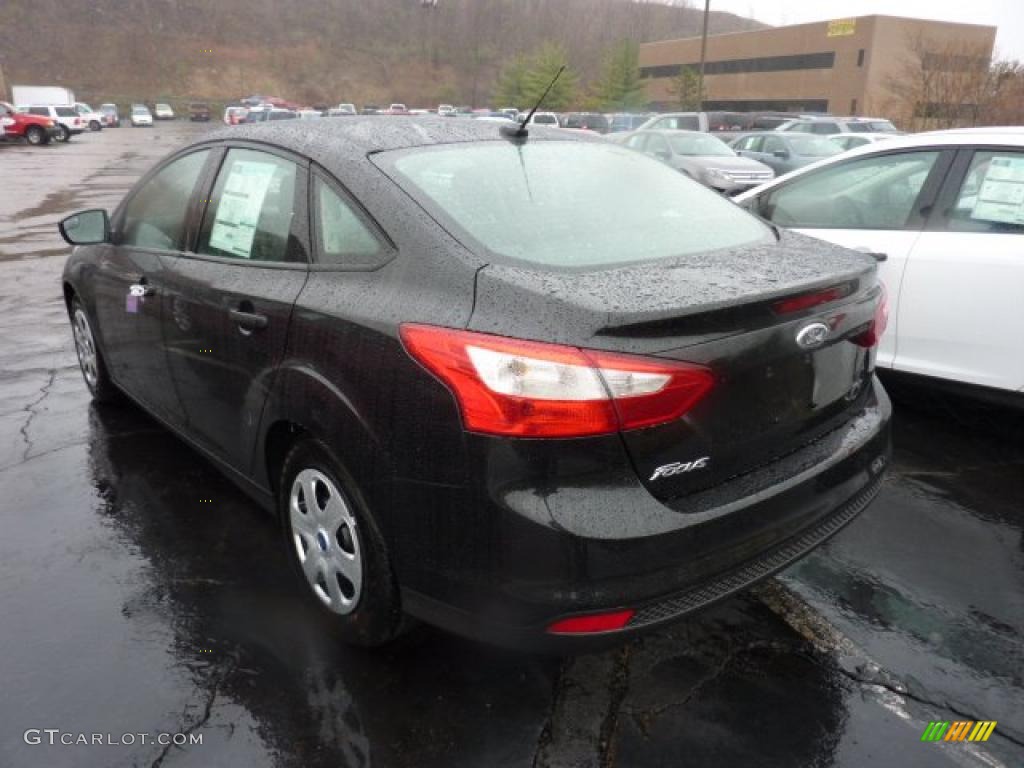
[[326, 541], [85, 346]]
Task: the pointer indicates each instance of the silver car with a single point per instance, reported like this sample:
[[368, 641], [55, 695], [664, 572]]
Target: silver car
[[701, 156]]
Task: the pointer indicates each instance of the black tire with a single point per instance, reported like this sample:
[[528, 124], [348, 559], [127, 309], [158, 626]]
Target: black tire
[[97, 379], [94, 125], [65, 134], [35, 135], [375, 616]]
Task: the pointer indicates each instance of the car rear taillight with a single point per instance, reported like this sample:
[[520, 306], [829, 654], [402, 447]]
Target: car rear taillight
[[595, 622], [879, 322], [532, 389]]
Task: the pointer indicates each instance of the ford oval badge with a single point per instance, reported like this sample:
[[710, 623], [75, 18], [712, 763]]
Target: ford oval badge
[[812, 336]]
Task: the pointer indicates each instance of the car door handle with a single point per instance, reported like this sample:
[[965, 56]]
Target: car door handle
[[248, 321], [141, 287]]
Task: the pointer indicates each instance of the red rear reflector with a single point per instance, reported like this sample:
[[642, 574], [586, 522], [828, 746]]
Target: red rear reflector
[[808, 300], [531, 389], [596, 622], [879, 322]]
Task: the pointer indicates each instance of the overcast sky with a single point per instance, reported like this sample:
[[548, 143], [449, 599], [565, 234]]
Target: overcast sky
[[1007, 15]]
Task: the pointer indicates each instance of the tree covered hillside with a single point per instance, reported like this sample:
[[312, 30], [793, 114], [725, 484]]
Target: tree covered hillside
[[322, 50]]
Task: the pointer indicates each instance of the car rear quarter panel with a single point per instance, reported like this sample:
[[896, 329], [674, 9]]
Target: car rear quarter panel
[[347, 379]]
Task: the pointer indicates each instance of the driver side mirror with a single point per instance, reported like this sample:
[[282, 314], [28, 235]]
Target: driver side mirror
[[86, 227], [782, 154]]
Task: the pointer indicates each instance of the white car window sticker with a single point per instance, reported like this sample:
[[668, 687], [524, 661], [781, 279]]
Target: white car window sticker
[[1001, 193], [238, 212]]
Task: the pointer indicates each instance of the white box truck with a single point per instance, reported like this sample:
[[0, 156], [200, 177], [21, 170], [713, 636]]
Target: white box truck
[[40, 95]]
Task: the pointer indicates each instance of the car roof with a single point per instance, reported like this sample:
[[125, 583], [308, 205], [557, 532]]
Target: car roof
[[779, 134], [1004, 130], [673, 132], [332, 143]]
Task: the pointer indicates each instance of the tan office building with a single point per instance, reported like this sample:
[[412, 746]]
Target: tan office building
[[840, 66]]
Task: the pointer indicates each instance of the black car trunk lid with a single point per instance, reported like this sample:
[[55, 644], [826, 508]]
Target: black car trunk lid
[[775, 325]]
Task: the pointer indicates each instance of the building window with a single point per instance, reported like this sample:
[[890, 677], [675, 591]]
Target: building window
[[759, 105], [853, 106], [860, 58], [824, 60]]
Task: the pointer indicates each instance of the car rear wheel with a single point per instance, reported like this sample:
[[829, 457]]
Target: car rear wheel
[[35, 135], [65, 134], [335, 547], [94, 125], [90, 360]]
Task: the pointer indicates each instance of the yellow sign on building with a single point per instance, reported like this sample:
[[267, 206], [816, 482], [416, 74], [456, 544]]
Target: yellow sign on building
[[842, 27]]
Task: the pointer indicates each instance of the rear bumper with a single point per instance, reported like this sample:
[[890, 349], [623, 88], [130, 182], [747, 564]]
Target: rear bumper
[[536, 554]]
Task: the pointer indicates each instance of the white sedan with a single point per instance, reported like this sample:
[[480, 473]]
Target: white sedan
[[943, 213]]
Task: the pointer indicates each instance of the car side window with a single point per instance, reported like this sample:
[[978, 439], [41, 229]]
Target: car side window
[[868, 193], [824, 128], [343, 237], [636, 142], [44, 111], [656, 145], [772, 144], [753, 144], [155, 215], [685, 123], [991, 197], [250, 212]]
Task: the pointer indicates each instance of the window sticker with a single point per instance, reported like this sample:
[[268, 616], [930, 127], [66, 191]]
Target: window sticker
[[238, 212], [1001, 194]]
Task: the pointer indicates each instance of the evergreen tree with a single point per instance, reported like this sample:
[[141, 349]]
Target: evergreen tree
[[686, 89], [543, 66], [620, 88], [511, 87]]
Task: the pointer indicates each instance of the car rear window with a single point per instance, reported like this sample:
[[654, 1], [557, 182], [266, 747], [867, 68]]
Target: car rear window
[[571, 205]]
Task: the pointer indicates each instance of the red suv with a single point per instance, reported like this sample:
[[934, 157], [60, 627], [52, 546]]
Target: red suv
[[32, 128]]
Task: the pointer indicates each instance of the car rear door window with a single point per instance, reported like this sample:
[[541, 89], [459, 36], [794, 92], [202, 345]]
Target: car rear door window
[[342, 237], [657, 146], [251, 210], [66, 112], [753, 143], [636, 142], [44, 111], [875, 192], [155, 215], [773, 144], [991, 197], [679, 122]]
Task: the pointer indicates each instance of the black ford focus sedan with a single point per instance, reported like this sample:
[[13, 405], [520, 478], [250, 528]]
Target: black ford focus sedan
[[541, 390]]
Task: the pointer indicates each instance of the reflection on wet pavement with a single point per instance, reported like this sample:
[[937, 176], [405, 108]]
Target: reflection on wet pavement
[[127, 605], [931, 582]]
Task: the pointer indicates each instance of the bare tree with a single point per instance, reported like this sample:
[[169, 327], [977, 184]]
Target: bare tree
[[941, 84]]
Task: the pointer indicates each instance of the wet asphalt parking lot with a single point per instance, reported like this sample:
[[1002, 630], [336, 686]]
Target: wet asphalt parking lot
[[140, 593]]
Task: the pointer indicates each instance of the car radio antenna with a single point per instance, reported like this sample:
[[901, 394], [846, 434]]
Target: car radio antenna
[[520, 131]]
